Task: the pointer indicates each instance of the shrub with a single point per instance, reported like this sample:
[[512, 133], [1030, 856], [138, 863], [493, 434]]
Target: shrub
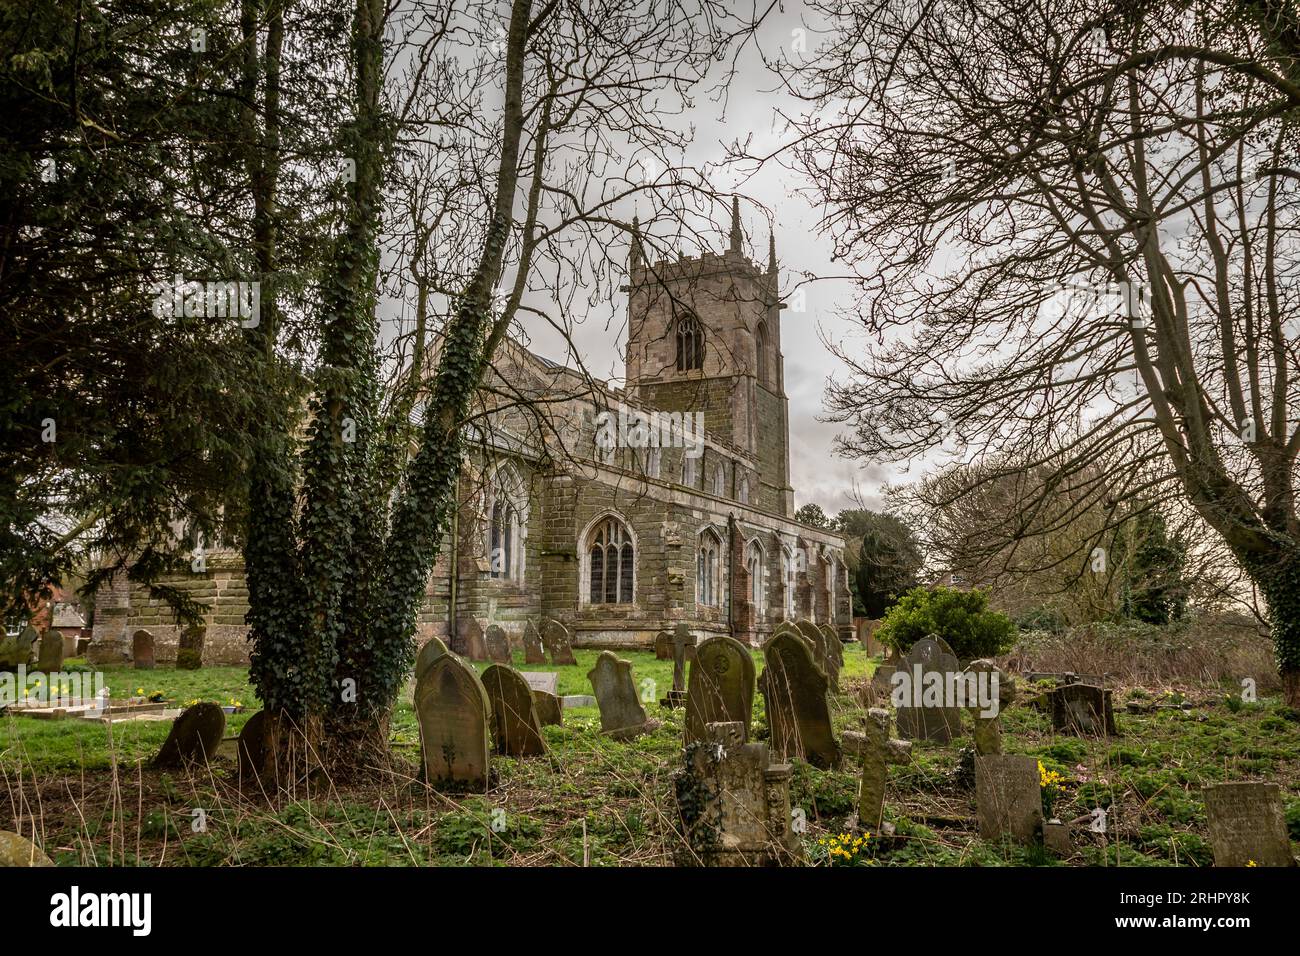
[[962, 618]]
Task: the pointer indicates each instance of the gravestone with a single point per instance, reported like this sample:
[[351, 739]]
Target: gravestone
[[474, 642], [1083, 710], [498, 645], [453, 710], [621, 714], [555, 638], [194, 738], [1009, 797], [834, 643], [250, 749], [550, 710], [1247, 825], [516, 729], [189, 655], [988, 727], [679, 647], [547, 681], [721, 687], [50, 658], [823, 653], [69, 646], [142, 651], [919, 697], [734, 804], [798, 715], [534, 653], [17, 650], [874, 746], [16, 851], [433, 649]]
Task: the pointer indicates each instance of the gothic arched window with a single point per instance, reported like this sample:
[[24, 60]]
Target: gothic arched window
[[742, 490], [507, 514], [719, 481], [788, 579], [690, 343], [689, 471], [754, 565], [610, 563], [708, 565], [760, 344]]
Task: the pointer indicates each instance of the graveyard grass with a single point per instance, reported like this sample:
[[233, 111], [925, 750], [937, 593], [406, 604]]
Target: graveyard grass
[[88, 795]]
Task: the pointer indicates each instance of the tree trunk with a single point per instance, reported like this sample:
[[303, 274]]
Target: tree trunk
[[1278, 577]]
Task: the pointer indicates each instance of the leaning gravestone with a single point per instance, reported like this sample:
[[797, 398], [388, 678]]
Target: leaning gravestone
[[877, 750], [679, 647], [721, 686], [534, 653], [1084, 710], [16, 851], [621, 714], [988, 726], [50, 658], [474, 641], [919, 692], [433, 649], [189, 654], [453, 710], [834, 643], [194, 738], [17, 650], [251, 747], [516, 729], [734, 804], [555, 637], [1247, 825], [142, 651], [498, 645], [822, 652], [1009, 797], [798, 715]]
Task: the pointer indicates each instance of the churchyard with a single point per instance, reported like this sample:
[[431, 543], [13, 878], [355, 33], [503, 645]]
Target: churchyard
[[610, 796]]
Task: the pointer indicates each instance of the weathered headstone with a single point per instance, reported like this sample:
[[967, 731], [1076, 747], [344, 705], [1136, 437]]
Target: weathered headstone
[[555, 637], [250, 749], [17, 650], [498, 644], [534, 652], [920, 696], [679, 646], [721, 686], [621, 714], [516, 729], [189, 654], [194, 738], [142, 651], [988, 726], [1247, 825], [1009, 797], [874, 746], [1084, 710], [69, 646], [734, 804], [798, 715], [50, 658], [453, 710], [823, 653], [16, 851], [433, 649], [474, 640], [550, 711]]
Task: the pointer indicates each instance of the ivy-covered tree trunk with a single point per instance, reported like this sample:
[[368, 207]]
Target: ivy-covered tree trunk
[[1277, 575], [380, 649]]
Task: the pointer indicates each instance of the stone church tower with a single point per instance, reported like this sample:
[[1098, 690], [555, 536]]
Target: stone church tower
[[704, 335]]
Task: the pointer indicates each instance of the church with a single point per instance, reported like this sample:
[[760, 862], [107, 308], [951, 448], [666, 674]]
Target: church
[[620, 512]]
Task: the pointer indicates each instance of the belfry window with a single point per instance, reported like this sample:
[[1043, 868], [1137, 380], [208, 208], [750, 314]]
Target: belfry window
[[611, 563], [690, 343]]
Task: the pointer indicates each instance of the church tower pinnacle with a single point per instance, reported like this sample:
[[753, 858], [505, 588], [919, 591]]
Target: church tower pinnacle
[[735, 225]]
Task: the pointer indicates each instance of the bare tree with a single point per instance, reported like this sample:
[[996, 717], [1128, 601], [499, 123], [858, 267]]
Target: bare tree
[[1074, 223]]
